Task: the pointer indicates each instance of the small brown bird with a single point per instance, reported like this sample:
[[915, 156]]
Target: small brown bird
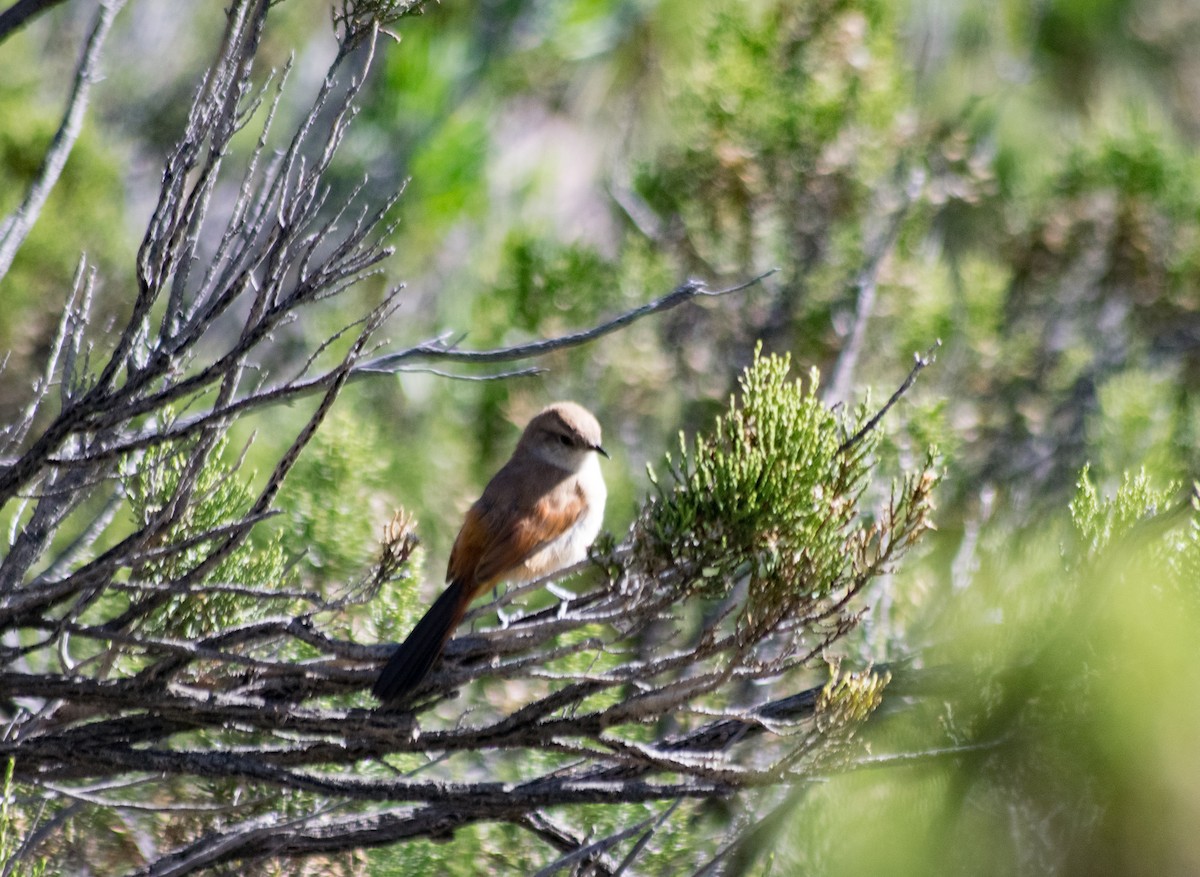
[[538, 514]]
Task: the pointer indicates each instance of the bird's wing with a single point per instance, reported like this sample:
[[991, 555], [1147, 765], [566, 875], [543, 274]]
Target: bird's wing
[[496, 538]]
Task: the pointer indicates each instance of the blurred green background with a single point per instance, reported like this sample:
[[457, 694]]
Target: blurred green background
[[1037, 166]]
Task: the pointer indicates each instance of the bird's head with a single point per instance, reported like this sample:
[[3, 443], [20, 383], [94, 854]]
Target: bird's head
[[565, 434]]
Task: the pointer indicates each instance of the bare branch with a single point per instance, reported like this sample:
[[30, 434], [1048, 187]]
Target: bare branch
[[919, 364], [15, 228], [688, 291]]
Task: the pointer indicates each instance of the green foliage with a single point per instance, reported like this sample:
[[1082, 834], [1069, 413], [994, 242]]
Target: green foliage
[[1142, 420], [849, 698], [1055, 707], [499, 848], [1141, 520], [756, 111], [1138, 161], [152, 485], [773, 494], [1155, 180], [12, 823], [428, 130], [543, 282], [335, 500], [768, 492], [1074, 38], [448, 172], [1101, 521]]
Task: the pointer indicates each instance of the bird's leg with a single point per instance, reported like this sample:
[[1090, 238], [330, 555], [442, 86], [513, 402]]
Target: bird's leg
[[564, 597], [500, 616]]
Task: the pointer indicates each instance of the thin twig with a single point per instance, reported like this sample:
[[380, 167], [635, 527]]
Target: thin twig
[[919, 364]]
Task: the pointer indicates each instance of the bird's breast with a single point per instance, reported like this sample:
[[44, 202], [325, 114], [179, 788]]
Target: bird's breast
[[571, 546]]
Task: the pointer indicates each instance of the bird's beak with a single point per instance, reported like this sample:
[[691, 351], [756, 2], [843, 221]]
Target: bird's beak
[[600, 450]]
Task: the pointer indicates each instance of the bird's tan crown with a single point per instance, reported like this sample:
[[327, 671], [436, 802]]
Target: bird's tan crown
[[566, 419]]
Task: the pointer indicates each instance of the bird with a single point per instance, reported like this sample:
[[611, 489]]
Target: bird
[[540, 513]]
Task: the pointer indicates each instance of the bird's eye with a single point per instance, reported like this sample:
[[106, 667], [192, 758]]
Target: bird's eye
[[565, 439]]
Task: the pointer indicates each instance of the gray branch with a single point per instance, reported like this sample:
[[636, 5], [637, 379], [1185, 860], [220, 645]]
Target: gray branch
[[16, 227]]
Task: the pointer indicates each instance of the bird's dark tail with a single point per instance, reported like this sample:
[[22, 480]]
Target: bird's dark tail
[[413, 659]]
